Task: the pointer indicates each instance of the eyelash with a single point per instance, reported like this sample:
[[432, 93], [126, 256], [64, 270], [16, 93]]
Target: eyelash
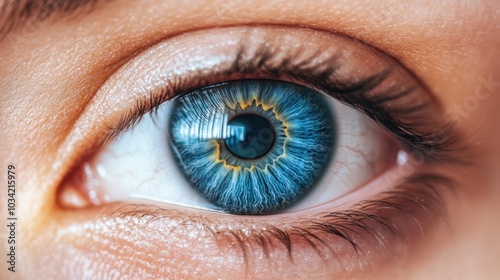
[[434, 146], [421, 190]]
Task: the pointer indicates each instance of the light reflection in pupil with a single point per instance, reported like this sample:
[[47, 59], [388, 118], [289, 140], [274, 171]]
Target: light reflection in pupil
[[250, 136]]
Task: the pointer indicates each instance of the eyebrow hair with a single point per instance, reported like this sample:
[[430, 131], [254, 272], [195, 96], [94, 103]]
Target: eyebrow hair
[[14, 14]]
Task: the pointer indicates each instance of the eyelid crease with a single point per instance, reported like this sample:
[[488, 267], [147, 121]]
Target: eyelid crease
[[371, 225]]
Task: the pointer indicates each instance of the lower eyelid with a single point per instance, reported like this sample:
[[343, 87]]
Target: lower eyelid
[[383, 227]]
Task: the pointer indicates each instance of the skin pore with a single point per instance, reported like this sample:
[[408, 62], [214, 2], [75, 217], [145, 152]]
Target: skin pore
[[50, 72]]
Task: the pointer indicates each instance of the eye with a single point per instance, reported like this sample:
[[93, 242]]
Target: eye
[[242, 147], [269, 135]]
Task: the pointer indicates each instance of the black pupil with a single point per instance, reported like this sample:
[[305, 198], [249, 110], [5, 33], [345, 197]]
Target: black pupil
[[250, 136]]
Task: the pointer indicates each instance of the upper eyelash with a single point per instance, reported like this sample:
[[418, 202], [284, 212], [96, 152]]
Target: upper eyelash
[[434, 146], [298, 67]]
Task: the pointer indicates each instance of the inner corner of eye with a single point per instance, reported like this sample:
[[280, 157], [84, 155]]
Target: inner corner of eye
[[246, 147], [71, 194]]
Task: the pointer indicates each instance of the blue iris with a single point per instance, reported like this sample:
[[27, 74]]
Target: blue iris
[[252, 146]]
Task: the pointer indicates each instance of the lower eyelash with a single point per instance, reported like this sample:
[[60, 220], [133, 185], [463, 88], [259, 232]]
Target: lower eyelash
[[385, 226]]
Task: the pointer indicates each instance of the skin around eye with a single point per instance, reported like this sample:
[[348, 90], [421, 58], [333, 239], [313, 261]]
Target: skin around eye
[[141, 165], [365, 228], [50, 71]]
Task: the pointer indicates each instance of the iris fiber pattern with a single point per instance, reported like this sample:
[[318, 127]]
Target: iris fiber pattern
[[303, 139]]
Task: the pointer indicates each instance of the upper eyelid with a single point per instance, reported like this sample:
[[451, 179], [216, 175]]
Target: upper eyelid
[[161, 94], [263, 60], [241, 65]]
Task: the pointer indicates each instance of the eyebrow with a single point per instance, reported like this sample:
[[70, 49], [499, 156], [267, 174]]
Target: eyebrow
[[16, 14]]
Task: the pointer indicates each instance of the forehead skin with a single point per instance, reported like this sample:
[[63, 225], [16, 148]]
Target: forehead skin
[[50, 70]]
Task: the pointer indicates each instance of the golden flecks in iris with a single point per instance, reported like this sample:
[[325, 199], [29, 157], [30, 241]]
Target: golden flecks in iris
[[254, 101], [218, 160], [243, 105]]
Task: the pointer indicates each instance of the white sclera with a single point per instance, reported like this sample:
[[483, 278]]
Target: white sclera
[[139, 164]]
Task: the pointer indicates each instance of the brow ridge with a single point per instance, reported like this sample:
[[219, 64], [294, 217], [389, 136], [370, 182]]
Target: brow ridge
[[16, 14]]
